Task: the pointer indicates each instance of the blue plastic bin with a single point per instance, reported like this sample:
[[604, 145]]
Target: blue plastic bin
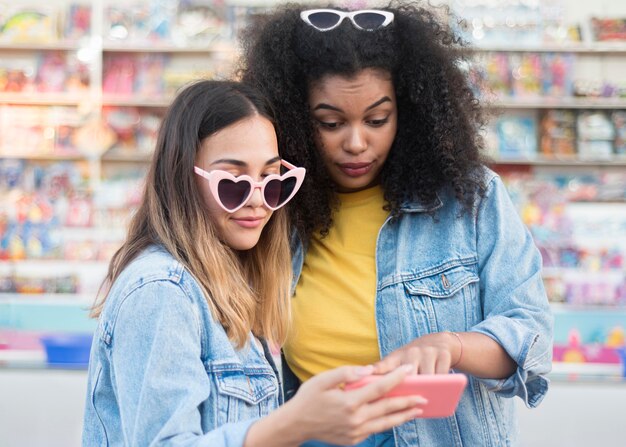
[[65, 349]]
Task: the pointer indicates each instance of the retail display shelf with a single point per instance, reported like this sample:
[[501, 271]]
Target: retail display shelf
[[574, 47], [550, 272], [556, 103], [136, 101], [588, 371], [47, 99], [41, 46], [573, 161], [568, 307], [96, 232], [46, 263], [31, 359], [55, 299], [130, 158], [134, 157], [27, 357], [44, 157], [207, 48]]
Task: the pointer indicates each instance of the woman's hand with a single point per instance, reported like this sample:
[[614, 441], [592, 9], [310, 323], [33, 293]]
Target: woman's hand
[[471, 352], [323, 411], [430, 354]]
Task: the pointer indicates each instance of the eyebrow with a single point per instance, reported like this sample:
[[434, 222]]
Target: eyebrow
[[337, 109], [231, 161]]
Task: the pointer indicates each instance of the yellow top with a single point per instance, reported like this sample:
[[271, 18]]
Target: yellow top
[[334, 320]]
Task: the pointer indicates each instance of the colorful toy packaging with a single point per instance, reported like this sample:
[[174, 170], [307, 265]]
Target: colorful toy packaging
[[556, 74], [595, 135], [608, 29], [77, 21], [29, 22], [190, 22], [517, 137], [607, 349], [558, 133]]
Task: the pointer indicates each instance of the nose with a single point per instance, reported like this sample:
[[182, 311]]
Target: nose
[[356, 142], [256, 199]]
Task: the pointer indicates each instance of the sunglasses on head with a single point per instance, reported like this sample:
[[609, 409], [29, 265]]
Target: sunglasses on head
[[232, 193], [364, 19]]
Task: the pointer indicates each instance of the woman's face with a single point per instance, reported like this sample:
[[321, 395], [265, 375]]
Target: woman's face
[[246, 147], [357, 119]]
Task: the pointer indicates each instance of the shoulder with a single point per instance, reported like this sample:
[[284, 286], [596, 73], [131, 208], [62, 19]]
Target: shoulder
[[483, 182], [154, 276], [154, 286], [153, 264]]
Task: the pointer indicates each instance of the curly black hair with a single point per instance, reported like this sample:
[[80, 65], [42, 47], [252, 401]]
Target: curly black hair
[[437, 144]]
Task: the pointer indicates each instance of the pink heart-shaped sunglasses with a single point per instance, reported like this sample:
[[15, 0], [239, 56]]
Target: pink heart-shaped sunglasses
[[232, 193]]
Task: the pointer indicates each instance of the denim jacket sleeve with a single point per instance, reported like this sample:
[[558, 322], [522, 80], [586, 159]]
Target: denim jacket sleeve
[[159, 376], [516, 310]]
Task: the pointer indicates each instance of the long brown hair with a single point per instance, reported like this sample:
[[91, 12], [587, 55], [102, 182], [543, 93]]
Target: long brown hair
[[246, 291]]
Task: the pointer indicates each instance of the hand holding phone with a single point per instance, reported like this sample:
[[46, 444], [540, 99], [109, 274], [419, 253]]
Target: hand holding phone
[[443, 391]]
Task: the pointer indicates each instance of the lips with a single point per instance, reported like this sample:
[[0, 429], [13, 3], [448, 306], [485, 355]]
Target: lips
[[249, 222], [356, 169]]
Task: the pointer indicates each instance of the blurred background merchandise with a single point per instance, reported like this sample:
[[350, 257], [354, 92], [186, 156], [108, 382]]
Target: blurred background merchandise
[[84, 85]]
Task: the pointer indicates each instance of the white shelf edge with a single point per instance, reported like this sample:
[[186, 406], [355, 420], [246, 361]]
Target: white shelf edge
[[53, 299], [48, 99], [44, 157], [37, 356], [558, 271], [137, 158], [554, 103], [136, 101], [208, 49], [40, 46], [568, 308], [33, 262], [580, 48], [587, 369], [617, 161]]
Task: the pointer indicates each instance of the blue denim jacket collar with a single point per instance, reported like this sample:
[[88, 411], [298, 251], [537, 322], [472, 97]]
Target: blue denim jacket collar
[[416, 206]]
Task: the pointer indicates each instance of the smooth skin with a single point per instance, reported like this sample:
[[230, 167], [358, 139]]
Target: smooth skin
[[357, 121], [247, 147]]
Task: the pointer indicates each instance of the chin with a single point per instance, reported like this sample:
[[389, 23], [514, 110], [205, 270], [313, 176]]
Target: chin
[[243, 244]]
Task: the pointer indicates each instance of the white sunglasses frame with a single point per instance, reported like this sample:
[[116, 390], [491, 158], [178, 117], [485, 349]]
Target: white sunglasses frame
[[304, 15], [214, 177]]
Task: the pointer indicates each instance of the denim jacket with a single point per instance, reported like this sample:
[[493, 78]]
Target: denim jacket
[[440, 269], [162, 370]]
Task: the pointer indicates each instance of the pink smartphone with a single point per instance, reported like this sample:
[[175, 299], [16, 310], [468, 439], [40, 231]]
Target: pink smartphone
[[443, 391]]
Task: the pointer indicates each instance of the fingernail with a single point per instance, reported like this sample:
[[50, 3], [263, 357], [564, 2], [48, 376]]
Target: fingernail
[[364, 370], [418, 400], [408, 368]]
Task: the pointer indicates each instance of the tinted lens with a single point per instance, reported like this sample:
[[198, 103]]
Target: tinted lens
[[324, 20], [369, 20], [232, 194], [273, 192], [277, 192]]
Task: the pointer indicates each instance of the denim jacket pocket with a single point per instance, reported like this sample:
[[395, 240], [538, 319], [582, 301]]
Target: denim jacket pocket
[[442, 282], [245, 393], [445, 297]]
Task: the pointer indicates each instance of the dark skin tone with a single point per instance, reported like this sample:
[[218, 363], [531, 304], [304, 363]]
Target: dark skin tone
[[357, 122]]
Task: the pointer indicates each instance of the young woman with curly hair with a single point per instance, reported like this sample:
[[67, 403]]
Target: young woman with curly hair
[[406, 247]]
